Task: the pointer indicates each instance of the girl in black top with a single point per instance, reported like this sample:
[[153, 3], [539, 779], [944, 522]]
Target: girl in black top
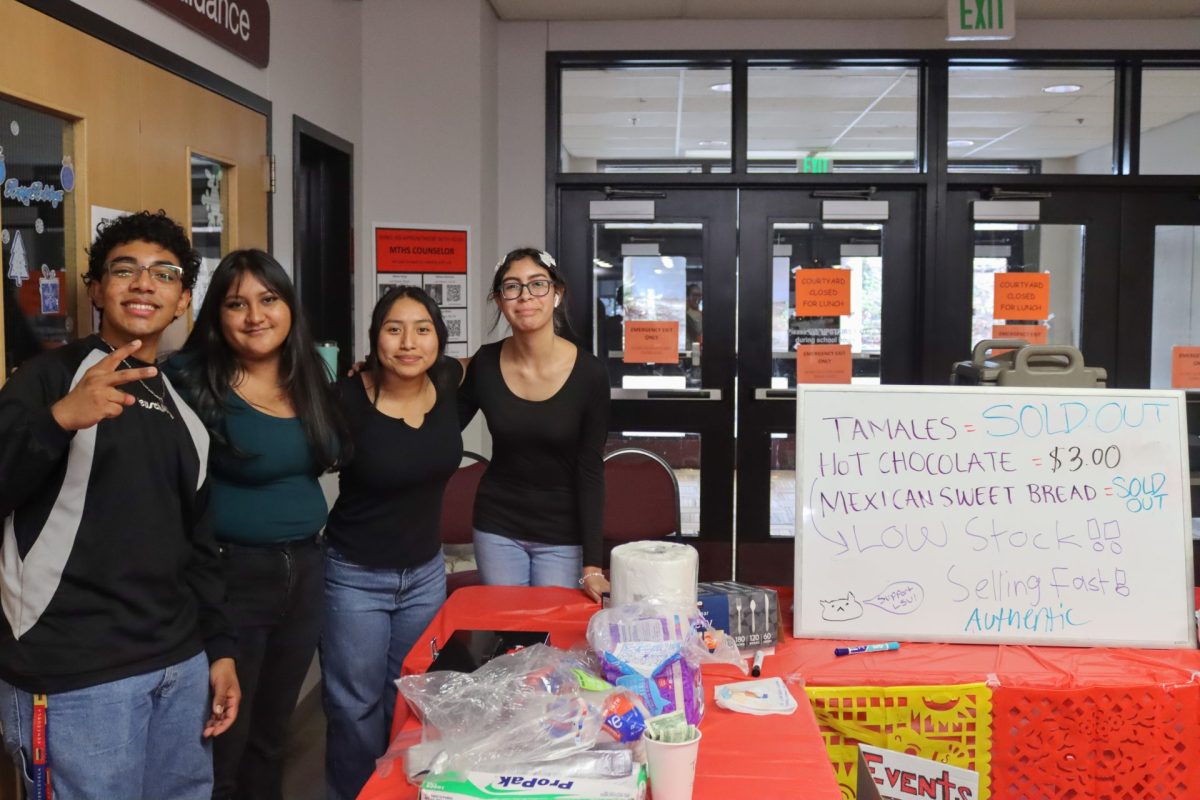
[[384, 574], [539, 509]]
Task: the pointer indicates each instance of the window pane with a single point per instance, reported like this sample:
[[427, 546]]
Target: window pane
[[649, 272], [681, 451], [840, 119], [210, 209], [1020, 247], [855, 246], [1031, 121], [38, 175], [783, 484], [646, 119], [1170, 122], [1176, 312]]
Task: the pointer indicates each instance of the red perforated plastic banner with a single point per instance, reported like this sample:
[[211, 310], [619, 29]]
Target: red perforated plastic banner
[[1124, 743]]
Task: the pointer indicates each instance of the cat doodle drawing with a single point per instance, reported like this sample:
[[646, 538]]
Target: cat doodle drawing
[[840, 609]]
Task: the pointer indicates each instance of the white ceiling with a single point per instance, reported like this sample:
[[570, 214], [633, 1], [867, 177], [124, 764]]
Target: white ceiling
[[827, 9], [673, 113]]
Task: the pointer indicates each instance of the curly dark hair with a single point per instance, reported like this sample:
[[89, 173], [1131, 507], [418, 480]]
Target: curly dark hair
[[155, 227]]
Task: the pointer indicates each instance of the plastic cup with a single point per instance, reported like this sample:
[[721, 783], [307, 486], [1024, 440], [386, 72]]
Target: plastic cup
[[672, 768]]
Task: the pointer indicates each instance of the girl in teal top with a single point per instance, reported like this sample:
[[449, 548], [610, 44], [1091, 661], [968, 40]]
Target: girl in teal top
[[252, 373], [274, 496]]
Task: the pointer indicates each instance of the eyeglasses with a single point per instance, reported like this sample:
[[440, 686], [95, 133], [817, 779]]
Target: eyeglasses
[[126, 270], [538, 287]]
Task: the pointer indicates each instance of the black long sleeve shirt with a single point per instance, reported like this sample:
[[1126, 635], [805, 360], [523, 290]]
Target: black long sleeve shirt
[[108, 567], [388, 512], [545, 482]]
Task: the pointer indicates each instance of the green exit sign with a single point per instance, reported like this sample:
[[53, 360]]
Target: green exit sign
[[981, 19], [814, 165]]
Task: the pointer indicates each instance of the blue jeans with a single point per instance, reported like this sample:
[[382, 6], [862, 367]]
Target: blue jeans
[[373, 617], [137, 737], [514, 562]]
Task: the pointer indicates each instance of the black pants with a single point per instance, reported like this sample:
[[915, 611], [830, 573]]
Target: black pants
[[275, 595]]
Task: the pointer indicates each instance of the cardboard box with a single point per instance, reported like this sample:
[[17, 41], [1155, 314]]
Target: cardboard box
[[750, 614], [478, 785]]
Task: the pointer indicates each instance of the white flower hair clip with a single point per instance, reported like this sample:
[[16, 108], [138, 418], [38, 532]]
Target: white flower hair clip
[[546, 259]]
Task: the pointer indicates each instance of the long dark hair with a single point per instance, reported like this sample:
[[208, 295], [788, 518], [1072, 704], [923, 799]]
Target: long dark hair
[[379, 316], [562, 325], [211, 368]]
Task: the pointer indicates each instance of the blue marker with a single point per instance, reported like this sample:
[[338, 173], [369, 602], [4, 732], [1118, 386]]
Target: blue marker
[[866, 648]]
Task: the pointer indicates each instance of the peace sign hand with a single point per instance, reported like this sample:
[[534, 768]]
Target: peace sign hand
[[96, 397]]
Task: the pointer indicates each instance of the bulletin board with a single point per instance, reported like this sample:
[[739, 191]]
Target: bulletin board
[[992, 515], [434, 258]]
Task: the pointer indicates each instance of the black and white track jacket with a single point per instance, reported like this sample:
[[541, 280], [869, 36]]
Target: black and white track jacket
[[108, 567]]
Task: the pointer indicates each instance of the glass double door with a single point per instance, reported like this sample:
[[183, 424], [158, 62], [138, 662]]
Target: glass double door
[[689, 298]]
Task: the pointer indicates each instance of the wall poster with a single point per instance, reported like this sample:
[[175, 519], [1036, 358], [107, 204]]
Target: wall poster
[[433, 258]]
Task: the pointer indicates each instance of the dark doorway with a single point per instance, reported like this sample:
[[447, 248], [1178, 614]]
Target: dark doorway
[[323, 207]]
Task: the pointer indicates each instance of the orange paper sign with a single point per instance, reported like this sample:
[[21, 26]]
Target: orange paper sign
[[1185, 367], [1034, 334], [823, 363], [417, 250], [822, 292], [1022, 295], [651, 342]]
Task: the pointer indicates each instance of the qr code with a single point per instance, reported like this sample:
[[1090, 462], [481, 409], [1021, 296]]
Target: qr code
[[454, 328], [453, 293]]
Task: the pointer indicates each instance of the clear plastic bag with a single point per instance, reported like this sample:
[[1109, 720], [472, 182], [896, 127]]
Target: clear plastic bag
[[521, 707], [655, 648]]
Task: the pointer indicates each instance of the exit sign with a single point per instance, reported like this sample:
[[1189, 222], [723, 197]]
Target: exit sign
[[814, 165], [981, 19]]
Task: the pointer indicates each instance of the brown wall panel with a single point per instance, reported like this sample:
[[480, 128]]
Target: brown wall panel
[[135, 126]]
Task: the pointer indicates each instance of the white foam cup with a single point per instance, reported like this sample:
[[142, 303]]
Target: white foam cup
[[672, 768]]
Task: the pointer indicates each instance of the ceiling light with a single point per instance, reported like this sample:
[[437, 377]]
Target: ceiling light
[[713, 143], [722, 87], [601, 263], [960, 143], [1062, 88]]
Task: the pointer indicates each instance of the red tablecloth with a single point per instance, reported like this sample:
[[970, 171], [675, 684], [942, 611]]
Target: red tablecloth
[[1068, 722], [740, 755]]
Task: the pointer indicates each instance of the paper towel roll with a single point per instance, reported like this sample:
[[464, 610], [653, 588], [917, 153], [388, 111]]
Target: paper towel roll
[[654, 569]]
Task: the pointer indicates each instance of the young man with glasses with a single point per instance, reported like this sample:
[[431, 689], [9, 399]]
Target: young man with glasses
[[112, 635]]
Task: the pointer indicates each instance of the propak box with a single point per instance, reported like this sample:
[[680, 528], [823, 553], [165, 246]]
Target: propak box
[[476, 785], [750, 614]]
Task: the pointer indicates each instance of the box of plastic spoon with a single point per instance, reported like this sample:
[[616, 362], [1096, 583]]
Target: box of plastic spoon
[[750, 614]]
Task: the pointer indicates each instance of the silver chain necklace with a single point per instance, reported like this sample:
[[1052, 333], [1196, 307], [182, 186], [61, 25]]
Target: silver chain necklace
[[160, 400]]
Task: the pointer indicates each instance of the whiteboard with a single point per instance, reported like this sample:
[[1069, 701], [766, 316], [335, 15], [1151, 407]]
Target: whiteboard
[[989, 515]]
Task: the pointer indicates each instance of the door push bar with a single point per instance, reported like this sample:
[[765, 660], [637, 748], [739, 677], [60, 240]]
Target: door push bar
[[774, 394], [665, 394]]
